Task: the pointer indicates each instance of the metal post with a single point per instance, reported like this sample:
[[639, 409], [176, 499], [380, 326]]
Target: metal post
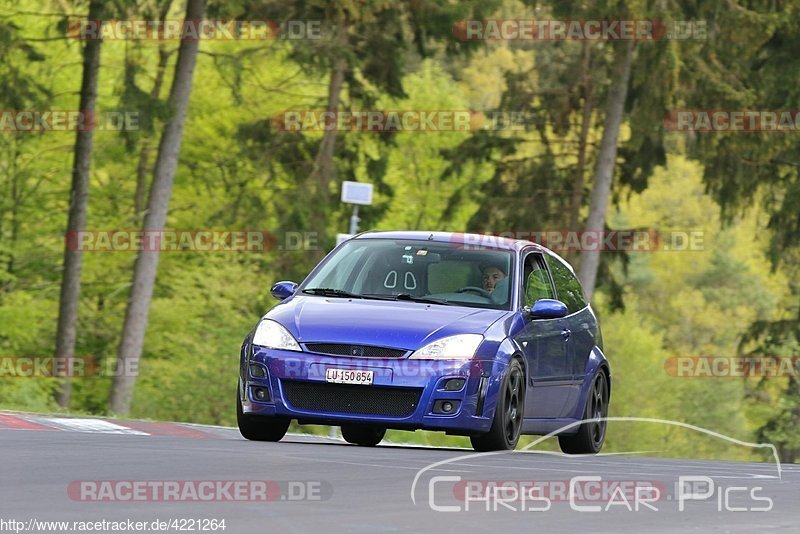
[[354, 220]]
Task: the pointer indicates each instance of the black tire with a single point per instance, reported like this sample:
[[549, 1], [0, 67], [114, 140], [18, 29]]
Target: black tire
[[259, 427], [592, 433], [507, 422], [363, 435]]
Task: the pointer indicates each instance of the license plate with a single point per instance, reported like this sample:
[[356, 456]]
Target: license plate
[[348, 376]]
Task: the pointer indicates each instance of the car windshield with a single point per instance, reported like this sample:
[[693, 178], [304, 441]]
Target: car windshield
[[425, 271]]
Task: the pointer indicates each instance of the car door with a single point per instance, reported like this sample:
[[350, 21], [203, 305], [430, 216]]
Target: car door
[[544, 345], [581, 324]]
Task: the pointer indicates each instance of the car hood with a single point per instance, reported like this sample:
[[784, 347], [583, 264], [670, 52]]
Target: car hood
[[397, 324]]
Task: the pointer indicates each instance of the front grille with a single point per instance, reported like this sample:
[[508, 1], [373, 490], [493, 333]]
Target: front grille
[[359, 351], [345, 398]]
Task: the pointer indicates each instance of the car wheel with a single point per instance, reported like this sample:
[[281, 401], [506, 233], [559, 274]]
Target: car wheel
[[259, 427], [592, 432], [363, 435], [507, 422]]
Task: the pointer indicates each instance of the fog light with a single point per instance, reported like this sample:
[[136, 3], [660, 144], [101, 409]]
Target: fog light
[[446, 407], [454, 385], [260, 394], [257, 371]]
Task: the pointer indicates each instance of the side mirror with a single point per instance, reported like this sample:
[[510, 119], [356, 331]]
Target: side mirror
[[283, 290], [548, 309]]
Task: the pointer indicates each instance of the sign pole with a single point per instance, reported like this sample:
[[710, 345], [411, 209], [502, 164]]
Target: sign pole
[[354, 220], [355, 193]]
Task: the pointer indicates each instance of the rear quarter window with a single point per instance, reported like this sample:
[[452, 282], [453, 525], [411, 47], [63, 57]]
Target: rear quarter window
[[567, 285]]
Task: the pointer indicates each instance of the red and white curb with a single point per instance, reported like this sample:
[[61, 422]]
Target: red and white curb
[[23, 421]]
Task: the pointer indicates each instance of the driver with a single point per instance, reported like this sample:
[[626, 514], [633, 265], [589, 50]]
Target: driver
[[492, 275]]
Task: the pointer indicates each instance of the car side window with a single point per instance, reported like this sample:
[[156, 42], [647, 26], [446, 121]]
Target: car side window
[[536, 283], [568, 287]]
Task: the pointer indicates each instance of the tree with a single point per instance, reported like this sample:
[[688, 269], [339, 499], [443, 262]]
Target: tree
[[144, 276], [323, 171], [606, 163], [79, 198], [743, 169], [140, 99], [586, 88], [365, 47]]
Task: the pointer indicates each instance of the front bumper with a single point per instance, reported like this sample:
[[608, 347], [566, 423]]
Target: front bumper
[[403, 395]]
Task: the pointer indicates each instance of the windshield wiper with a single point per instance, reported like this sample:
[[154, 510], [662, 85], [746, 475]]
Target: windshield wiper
[[330, 292], [406, 296]]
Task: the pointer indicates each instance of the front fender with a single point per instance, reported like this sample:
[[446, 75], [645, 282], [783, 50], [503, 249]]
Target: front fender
[[495, 371]]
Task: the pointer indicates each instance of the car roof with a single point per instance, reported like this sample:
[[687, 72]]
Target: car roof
[[455, 237]]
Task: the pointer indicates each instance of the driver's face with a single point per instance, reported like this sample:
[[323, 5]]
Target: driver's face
[[491, 276]]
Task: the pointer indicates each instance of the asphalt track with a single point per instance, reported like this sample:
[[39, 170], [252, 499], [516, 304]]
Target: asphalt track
[[325, 485]]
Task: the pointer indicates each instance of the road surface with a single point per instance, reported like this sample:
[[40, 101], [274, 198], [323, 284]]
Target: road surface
[[85, 471]]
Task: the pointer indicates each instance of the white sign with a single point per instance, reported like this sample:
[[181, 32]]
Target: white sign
[[357, 193]]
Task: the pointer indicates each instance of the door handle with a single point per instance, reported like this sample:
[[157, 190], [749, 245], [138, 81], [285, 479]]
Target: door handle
[[565, 334]]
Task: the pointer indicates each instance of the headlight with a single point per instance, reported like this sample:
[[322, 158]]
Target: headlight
[[461, 347], [272, 335]]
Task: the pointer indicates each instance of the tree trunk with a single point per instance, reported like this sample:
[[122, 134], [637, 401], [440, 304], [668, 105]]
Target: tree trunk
[[144, 276], [143, 166], [66, 332], [576, 201], [324, 165], [606, 161], [586, 120], [144, 153]]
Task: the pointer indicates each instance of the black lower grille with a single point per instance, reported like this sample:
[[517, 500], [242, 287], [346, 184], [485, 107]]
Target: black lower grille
[[359, 351], [344, 398]]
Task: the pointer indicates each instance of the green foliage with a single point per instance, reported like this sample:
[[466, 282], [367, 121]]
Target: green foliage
[[737, 294]]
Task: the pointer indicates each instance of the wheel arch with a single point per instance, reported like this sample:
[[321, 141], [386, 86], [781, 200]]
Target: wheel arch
[[507, 351], [598, 362]]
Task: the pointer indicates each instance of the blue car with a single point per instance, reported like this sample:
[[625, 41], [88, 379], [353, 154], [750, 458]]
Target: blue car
[[472, 335]]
